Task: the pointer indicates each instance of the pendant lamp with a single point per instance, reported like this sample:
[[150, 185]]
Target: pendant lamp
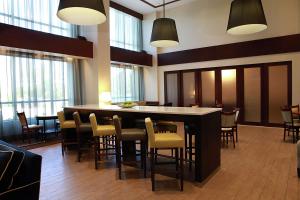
[[246, 17], [82, 12], [164, 32]]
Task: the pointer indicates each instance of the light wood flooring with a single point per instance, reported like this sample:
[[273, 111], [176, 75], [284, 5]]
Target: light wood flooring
[[261, 166]]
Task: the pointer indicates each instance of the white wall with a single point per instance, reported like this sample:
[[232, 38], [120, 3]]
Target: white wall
[[95, 76], [150, 73], [203, 23]]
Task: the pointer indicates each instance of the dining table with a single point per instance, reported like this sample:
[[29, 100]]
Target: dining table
[[207, 122]]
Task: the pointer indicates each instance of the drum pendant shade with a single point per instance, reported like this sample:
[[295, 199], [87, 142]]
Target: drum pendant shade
[[246, 17], [82, 12], [164, 33]]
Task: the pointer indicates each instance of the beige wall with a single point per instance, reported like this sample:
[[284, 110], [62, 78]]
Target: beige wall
[[96, 72], [203, 23]]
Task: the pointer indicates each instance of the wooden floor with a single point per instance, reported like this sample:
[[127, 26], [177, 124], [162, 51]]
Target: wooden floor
[[261, 166]]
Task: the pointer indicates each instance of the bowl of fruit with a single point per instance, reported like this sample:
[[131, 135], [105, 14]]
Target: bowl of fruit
[[127, 104]]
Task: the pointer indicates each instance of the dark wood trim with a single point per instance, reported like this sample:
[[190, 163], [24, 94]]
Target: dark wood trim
[[22, 39], [269, 46], [126, 10], [180, 88], [218, 86], [131, 57], [198, 88], [240, 91], [290, 83], [159, 5]]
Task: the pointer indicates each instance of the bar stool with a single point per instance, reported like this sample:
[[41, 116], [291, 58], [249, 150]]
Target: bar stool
[[68, 131], [189, 135], [129, 135], [164, 141], [100, 131], [84, 134]]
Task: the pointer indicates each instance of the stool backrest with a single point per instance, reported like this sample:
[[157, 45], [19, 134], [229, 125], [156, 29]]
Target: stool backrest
[[61, 117], [77, 119], [118, 127], [150, 132], [93, 121]]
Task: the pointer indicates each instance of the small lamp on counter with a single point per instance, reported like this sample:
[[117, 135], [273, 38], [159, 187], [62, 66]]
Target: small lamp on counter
[[104, 98]]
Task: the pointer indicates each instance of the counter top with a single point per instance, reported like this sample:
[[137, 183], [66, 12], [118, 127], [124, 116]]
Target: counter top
[[149, 109]]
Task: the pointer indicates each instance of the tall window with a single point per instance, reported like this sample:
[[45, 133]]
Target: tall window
[[127, 83], [37, 15], [34, 84], [125, 31]]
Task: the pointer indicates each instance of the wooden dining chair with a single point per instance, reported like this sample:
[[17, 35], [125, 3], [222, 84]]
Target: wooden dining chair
[[237, 114], [28, 130], [228, 120], [295, 111], [289, 124]]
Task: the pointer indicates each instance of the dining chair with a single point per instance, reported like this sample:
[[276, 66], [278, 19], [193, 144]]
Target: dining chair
[[84, 134], [289, 124], [237, 114], [295, 111], [101, 131], [164, 141], [68, 131], [228, 125], [28, 129], [135, 135]]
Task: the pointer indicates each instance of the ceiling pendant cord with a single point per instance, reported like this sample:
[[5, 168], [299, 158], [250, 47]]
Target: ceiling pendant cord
[[164, 9]]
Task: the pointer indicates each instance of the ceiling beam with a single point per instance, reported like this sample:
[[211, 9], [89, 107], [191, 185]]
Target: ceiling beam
[[159, 5]]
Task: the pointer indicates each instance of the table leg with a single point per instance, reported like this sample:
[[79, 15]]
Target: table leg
[[44, 129]]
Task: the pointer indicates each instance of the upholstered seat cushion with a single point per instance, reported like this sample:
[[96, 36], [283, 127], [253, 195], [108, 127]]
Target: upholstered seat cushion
[[133, 134], [68, 124], [34, 126], [105, 130], [227, 129], [168, 140]]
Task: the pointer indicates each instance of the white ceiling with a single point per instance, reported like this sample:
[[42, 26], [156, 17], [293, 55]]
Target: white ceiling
[[144, 8]]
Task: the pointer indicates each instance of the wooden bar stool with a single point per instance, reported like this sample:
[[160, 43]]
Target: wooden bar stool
[[84, 134], [189, 135], [164, 141], [134, 134], [68, 131], [101, 131]]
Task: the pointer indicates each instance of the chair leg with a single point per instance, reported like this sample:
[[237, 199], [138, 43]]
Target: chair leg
[[152, 168], [96, 150], [233, 139], [185, 144], [118, 157], [284, 132], [176, 159], [155, 155], [190, 151], [181, 169], [143, 150], [236, 134]]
